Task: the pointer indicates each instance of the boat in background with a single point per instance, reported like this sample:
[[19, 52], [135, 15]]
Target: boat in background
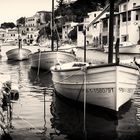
[[46, 59], [125, 48], [107, 85], [19, 53], [68, 47]]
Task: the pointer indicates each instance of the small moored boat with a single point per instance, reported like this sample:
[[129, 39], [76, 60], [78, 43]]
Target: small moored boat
[[18, 54]]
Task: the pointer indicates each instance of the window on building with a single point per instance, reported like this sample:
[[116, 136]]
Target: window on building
[[105, 23], [124, 7], [134, 4], [104, 40], [126, 15], [94, 15], [137, 17], [129, 16], [124, 38], [80, 28]]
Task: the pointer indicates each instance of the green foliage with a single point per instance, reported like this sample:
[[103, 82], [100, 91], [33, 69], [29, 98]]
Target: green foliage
[[45, 32], [73, 34], [21, 21], [6, 25], [78, 10]]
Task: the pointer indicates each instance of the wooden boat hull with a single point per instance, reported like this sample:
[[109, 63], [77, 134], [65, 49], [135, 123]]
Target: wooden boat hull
[[46, 59], [108, 86], [135, 49], [18, 54]]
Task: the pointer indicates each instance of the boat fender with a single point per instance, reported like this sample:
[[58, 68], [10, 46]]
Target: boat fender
[[14, 95], [84, 68], [5, 101], [57, 66]]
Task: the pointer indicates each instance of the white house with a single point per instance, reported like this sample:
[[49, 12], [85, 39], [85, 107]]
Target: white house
[[93, 33], [12, 35], [129, 12], [104, 22]]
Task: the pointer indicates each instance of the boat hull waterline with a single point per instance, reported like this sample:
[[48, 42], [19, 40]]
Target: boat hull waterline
[[46, 59], [108, 86], [18, 54]]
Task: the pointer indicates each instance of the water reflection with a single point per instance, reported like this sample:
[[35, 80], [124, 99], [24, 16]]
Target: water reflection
[[100, 123], [43, 79], [60, 118]]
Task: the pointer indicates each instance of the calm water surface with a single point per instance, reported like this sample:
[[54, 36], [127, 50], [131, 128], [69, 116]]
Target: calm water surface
[[39, 112]]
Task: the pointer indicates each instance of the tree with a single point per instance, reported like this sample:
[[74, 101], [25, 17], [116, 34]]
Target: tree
[[21, 21], [6, 25], [73, 34]]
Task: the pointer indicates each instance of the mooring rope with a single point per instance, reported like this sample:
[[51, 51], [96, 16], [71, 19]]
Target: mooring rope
[[84, 81], [85, 100], [38, 67]]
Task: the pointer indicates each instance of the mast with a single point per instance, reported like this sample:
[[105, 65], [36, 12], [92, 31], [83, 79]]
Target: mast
[[111, 31], [52, 27], [127, 21]]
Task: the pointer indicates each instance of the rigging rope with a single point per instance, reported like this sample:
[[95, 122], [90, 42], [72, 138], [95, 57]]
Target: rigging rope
[[38, 68], [85, 97]]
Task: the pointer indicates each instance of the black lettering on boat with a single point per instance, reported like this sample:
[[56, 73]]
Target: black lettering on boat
[[100, 90]]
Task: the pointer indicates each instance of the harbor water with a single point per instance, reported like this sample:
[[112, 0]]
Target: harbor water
[[40, 114]]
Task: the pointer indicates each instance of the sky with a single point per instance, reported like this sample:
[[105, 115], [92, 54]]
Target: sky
[[11, 10]]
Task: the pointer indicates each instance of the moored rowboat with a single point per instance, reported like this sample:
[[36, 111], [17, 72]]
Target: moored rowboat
[[18, 54]]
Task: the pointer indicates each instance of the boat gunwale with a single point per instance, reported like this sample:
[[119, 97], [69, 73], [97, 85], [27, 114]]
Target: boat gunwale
[[53, 51], [24, 49], [97, 66]]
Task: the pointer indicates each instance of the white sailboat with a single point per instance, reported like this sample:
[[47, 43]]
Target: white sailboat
[[19, 53], [47, 59], [110, 85]]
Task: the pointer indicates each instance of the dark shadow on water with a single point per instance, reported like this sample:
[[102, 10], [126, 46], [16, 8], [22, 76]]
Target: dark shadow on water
[[100, 123], [42, 79], [12, 62]]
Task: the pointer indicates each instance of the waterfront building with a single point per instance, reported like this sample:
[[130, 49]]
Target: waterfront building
[[129, 13], [11, 37], [2, 35], [104, 24], [126, 26], [93, 33]]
